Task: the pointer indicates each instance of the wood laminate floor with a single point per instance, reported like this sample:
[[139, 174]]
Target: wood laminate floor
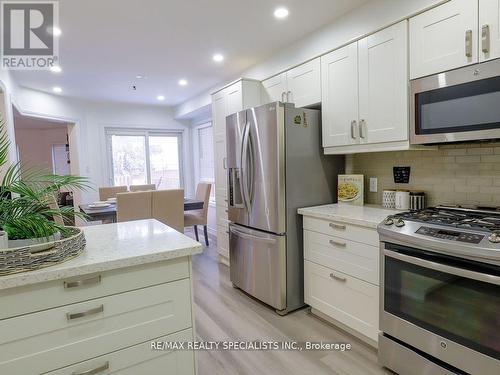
[[225, 313]]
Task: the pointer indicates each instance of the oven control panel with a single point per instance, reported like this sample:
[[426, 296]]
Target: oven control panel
[[450, 235]]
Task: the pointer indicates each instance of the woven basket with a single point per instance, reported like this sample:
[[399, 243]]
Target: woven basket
[[21, 259]]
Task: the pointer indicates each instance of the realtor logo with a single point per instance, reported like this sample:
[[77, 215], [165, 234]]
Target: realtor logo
[[28, 34]]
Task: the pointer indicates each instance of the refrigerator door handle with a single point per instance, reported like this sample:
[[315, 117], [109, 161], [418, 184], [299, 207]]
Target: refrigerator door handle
[[244, 163], [249, 236]]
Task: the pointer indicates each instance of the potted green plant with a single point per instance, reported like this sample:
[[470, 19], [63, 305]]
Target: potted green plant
[[26, 202]]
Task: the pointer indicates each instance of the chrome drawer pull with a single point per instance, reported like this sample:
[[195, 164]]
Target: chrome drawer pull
[[82, 314], [82, 282], [335, 243], [337, 226], [97, 370], [338, 278]]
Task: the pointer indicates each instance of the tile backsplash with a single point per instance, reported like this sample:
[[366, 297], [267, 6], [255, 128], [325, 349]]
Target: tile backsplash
[[453, 174]]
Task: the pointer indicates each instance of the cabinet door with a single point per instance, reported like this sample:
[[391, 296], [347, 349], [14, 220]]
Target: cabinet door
[[220, 167], [489, 29], [304, 83], [274, 89], [339, 86], [234, 99], [444, 38], [383, 85], [219, 113]]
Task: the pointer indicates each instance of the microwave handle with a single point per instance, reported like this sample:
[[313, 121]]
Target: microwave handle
[[491, 279]]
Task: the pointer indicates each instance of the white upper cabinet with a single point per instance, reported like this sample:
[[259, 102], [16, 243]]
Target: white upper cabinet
[[444, 38], [383, 85], [304, 84], [274, 89], [300, 85], [339, 87], [489, 29]]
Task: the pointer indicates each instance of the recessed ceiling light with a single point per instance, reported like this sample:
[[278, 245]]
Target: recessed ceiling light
[[57, 89], [140, 76], [281, 13], [55, 69], [183, 82], [218, 57], [160, 98], [55, 31]]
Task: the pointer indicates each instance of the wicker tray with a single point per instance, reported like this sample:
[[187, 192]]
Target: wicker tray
[[22, 259]]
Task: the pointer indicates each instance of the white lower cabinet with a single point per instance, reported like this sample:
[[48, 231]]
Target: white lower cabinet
[[105, 323], [344, 298], [139, 360], [341, 274]]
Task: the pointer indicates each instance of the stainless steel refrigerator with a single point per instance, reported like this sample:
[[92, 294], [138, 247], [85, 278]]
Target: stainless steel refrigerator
[[275, 165]]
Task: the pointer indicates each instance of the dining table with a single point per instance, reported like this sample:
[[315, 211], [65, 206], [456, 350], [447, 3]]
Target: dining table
[[108, 213]]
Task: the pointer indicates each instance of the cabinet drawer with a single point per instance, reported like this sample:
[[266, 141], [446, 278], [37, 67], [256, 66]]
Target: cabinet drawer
[[344, 298], [32, 298], [352, 258], [342, 230], [54, 338], [140, 359]]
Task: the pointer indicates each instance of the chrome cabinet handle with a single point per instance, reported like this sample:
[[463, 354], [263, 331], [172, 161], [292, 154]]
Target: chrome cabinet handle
[[283, 97], [224, 163], [94, 371], [288, 96], [338, 278], [82, 282], [362, 124], [353, 125], [339, 244], [82, 314], [337, 226], [485, 38], [468, 43]]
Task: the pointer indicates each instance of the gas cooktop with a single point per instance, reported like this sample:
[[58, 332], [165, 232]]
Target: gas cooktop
[[481, 219]]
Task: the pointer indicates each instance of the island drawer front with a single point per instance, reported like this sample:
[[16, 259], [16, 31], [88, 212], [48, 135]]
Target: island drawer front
[[69, 334], [342, 230], [353, 258], [31, 298], [350, 301], [140, 360]]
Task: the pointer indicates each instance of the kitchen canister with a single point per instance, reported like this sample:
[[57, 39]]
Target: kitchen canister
[[402, 200], [389, 199], [417, 200]]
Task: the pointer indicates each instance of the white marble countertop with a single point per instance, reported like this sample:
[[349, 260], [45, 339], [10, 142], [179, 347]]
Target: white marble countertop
[[366, 216], [112, 246]]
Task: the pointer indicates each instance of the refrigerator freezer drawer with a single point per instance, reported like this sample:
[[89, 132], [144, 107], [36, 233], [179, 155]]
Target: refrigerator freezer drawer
[[258, 264]]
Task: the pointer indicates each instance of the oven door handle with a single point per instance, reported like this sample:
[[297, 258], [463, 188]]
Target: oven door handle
[[491, 279]]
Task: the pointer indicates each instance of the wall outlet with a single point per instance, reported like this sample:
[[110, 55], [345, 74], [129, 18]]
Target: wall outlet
[[373, 184]]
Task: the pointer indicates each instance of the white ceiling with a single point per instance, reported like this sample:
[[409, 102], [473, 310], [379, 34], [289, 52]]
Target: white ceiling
[[105, 44]]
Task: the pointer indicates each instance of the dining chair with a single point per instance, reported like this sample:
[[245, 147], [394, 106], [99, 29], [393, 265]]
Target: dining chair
[[168, 207], [133, 206], [146, 187], [110, 192], [199, 217]]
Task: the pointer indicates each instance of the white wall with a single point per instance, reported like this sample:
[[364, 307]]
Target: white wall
[[7, 89], [35, 145], [91, 119], [366, 19]]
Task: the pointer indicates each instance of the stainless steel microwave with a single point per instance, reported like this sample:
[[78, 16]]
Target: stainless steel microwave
[[456, 106]]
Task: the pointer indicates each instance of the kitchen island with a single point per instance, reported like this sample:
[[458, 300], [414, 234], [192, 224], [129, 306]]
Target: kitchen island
[[99, 312]]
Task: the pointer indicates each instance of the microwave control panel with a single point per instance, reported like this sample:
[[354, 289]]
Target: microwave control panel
[[450, 235]]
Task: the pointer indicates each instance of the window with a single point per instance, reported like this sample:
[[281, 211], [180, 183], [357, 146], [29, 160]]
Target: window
[[145, 157], [205, 149]]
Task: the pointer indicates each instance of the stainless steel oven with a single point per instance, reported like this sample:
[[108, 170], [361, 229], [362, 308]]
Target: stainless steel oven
[[458, 105]]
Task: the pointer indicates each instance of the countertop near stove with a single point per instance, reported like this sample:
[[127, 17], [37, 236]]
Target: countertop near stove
[[367, 216], [114, 246]]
